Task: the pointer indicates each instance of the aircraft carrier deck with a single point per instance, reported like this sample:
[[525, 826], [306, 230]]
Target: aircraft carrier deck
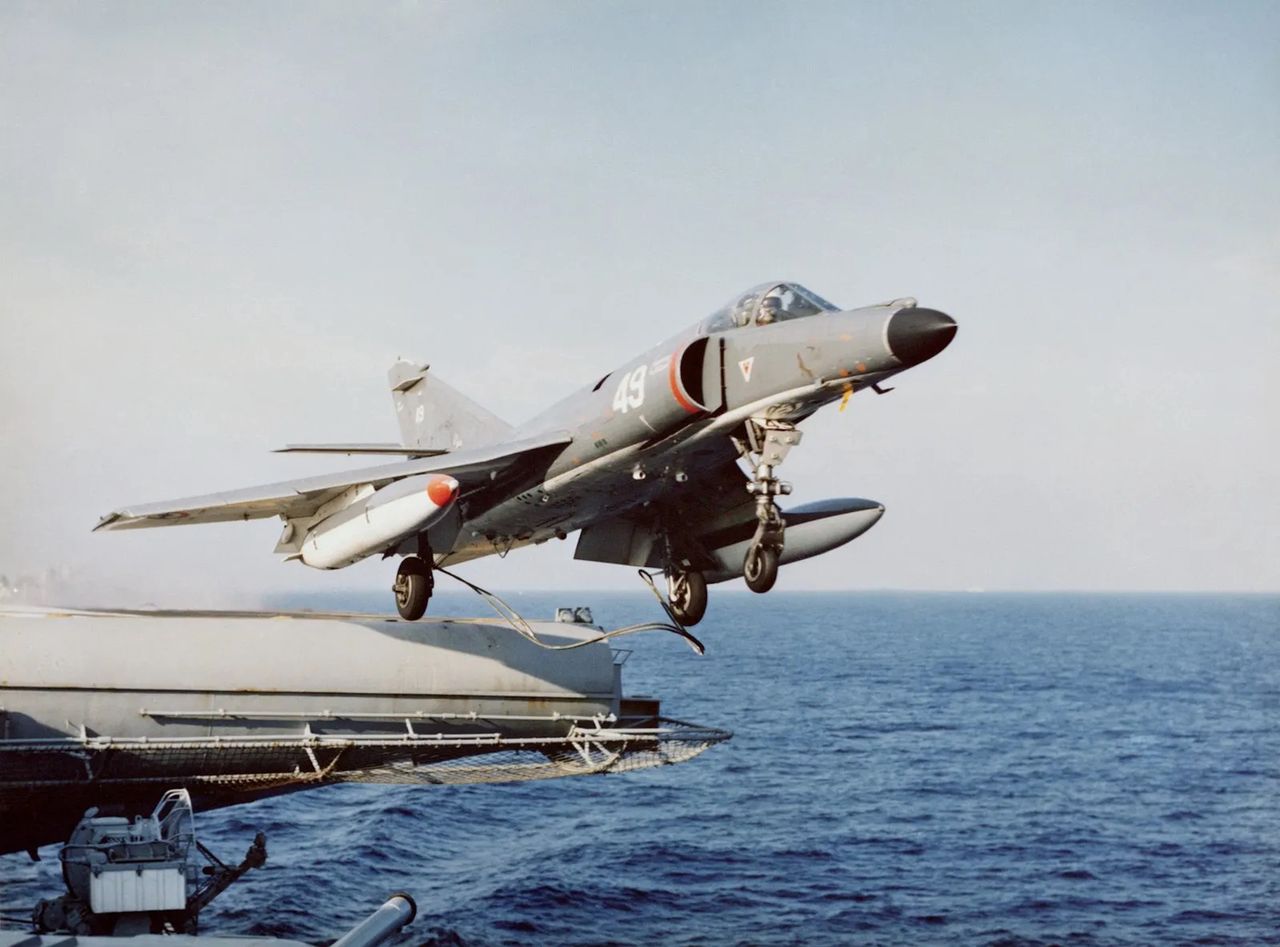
[[103, 707]]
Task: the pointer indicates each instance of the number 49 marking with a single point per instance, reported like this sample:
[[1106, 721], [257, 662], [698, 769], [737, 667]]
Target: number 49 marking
[[630, 393]]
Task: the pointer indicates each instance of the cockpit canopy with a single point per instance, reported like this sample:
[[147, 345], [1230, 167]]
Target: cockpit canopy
[[766, 304]]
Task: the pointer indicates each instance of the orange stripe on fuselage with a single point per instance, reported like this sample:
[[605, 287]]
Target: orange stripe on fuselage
[[675, 386]]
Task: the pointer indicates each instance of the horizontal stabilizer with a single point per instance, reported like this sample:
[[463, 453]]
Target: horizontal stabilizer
[[394, 449]]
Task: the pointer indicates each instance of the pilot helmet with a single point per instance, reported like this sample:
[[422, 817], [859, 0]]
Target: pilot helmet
[[770, 307]]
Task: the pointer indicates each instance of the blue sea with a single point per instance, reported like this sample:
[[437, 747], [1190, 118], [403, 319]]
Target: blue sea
[[906, 768]]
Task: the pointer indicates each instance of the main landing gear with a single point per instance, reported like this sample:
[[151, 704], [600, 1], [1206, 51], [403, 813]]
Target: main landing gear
[[413, 587], [687, 596], [765, 447]]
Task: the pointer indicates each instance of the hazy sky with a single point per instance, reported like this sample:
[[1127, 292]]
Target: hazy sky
[[220, 223]]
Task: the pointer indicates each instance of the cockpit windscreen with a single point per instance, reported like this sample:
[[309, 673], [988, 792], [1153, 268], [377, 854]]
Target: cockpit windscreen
[[765, 304]]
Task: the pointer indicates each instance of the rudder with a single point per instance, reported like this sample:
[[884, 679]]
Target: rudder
[[435, 416]]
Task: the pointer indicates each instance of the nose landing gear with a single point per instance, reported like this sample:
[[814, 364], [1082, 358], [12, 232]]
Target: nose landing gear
[[760, 568], [765, 447]]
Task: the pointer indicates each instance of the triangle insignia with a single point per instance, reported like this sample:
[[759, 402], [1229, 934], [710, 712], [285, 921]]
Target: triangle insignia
[[745, 367]]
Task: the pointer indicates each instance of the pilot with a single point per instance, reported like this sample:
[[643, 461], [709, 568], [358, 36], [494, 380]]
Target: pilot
[[770, 308]]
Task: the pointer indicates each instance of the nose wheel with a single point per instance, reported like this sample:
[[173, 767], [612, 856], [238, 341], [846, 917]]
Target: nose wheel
[[760, 568], [413, 587]]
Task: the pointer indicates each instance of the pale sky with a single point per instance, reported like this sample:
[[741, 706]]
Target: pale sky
[[220, 224]]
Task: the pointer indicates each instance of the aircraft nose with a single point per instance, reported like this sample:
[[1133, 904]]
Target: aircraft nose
[[917, 335]]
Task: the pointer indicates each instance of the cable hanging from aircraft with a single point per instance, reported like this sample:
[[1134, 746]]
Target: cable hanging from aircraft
[[523, 628]]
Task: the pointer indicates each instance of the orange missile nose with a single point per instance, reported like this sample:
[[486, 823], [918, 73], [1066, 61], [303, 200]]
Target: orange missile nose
[[442, 490]]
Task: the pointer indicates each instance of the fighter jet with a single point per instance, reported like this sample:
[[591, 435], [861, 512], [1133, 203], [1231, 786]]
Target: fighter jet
[[669, 462]]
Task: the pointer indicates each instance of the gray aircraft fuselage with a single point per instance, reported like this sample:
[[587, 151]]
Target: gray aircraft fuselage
[[644, 432]]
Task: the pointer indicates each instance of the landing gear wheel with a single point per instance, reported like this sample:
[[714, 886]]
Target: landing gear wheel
[[687, 592], [760, 568], [413, 588]]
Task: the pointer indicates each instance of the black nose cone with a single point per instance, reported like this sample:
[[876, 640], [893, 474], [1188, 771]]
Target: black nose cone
[[917, 335]]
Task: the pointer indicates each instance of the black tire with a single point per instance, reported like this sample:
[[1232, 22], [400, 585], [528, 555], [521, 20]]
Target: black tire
[[413, 588], [760, 568], [687, 592]]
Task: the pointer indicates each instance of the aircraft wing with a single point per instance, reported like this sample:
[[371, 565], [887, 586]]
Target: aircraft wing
[[300, 498]]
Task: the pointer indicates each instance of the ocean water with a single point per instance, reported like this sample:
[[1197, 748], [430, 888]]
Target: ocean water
[[906, 769]]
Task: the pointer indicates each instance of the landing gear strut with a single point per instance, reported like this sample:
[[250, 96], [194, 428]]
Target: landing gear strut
[[687, 595], [414, 583], [765, 447]]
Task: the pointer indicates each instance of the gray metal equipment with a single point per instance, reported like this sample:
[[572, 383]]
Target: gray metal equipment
[[380, 927], [399, 911], [139, 876], [644, 460]]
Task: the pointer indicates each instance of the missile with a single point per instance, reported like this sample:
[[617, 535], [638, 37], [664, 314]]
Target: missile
[[379, 521]]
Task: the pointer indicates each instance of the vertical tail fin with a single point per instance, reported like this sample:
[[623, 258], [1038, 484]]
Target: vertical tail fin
[[435, 416]]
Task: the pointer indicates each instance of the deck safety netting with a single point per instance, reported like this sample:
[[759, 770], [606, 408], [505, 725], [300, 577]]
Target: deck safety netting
[[259, 763]]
